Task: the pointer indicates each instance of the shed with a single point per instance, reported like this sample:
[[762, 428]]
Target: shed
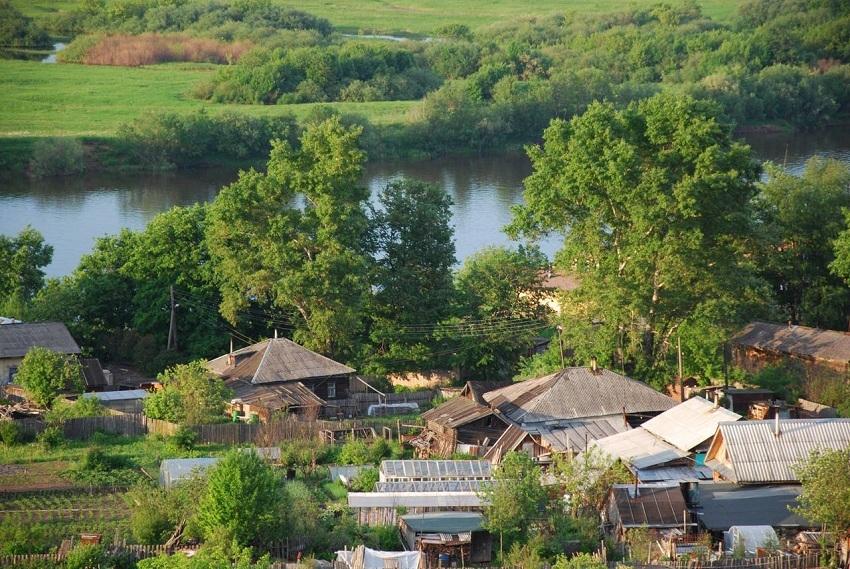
[[175, 470], [690, 425], [750, 538], [458, 535], [459, 421], [654, 507]]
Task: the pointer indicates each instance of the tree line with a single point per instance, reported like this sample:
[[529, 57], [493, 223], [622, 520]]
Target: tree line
[[667, 223]]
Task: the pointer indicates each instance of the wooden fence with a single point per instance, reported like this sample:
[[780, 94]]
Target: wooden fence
[[781, 561], [260, 434]]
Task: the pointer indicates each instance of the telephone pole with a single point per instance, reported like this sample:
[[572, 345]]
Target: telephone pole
[[172, 326]]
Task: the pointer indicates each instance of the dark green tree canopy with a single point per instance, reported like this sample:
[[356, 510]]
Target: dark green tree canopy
[[22, 259], [654, 202], [310, 261]]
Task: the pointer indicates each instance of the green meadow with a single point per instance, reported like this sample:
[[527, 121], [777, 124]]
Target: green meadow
[[423, 16]]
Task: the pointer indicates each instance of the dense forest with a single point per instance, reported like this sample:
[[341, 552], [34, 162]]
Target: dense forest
[[776, 63]]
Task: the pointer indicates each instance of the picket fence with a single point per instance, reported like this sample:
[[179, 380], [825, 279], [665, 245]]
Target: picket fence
[[782, 561]]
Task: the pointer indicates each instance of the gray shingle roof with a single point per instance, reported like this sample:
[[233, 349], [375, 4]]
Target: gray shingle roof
[[800, 341], [575, 393], [276, 360], [575, 436], [756, 455], [725, 505], [457, 412], [17, 339]]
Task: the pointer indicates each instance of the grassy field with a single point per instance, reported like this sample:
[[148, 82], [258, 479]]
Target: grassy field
[[423, 16], [79, 100]]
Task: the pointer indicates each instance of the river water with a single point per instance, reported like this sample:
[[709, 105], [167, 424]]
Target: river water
[[72, 212]]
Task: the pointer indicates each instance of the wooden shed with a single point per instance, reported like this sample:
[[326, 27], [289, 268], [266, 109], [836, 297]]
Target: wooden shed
[[445, 538]]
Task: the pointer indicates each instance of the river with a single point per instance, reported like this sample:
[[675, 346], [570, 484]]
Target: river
[[72, 212]]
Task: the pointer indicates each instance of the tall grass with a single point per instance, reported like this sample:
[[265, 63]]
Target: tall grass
[[149, 49]]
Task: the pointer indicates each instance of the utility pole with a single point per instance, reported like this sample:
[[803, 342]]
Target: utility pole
[[679, 354], [172, 327], [561, 345]]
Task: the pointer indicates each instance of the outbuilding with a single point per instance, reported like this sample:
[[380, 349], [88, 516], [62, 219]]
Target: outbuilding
[[175, 470], [447, 537]]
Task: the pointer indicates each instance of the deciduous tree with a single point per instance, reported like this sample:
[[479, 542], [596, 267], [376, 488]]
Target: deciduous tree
[[45, 374], [654, 202], [825, 499]]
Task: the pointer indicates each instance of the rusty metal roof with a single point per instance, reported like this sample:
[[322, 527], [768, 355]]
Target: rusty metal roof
[[801, 341], [457, 412], [17, 339], [273, 397], [756, 454], [575, 393], [649, 506], [275, 360]]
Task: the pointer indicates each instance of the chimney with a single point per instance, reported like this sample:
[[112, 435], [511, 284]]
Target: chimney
[[776, 422], [594, 365], [716, 399], [275, 333]]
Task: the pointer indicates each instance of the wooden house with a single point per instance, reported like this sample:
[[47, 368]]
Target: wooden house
[[277, 375], [17, 338], [814, 351], [562, 413], [458, 425]]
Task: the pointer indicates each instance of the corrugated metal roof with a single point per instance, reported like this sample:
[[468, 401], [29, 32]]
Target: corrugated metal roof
[[576, 436], [444, 522], [651, 506], [756, 455], [431, 486], [576, 393], [457, 412], [801, 341], [673, 473], [125, 395], [640, 448], [17, 339], [276, 360], [689, 424], [722, 506], [435, 469]]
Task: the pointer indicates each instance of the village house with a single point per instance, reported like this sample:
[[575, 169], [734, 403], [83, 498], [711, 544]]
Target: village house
[[671, 445], [817, 351], [766, 452], [277, 376], [564, 412], [458, 425], [17, 338], [721, 506]]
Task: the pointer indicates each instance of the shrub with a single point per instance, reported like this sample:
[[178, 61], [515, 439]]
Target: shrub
[[45, 373], [82, 407], [86, 557], [51, 437], [16, 30], [10, 433], [365, 481], [354, 452], [185, 438], [98, 460], [18, 538], [57, 157]]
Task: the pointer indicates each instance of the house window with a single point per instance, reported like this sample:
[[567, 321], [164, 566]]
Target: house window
[[12, 372], [332, 390]]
